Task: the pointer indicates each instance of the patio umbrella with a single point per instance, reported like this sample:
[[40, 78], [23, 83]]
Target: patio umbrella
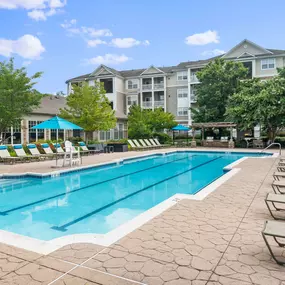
[[180, 128], [57, 123]]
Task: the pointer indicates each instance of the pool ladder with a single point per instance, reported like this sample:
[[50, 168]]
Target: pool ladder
[[272, 145]]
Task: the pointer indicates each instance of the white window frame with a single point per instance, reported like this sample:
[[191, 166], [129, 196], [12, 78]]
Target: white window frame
[[134, 82], [182, 109], [134, 98], [181, 92], [182, 75], [267, 62]]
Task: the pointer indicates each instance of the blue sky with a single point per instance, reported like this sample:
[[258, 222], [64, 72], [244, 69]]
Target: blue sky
[[67, 38]]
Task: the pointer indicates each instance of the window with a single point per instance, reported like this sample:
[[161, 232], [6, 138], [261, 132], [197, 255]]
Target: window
[[133, 84], [132, 100], [182, 93], [108, 84], [182, 111], [268, 63], [53, 135], [182, 75]]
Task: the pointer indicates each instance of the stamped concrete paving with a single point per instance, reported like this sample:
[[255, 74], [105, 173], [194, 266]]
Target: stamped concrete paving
[[216, 241]]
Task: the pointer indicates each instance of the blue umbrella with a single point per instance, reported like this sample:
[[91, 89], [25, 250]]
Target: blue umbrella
[[180, 128], [57, 123]]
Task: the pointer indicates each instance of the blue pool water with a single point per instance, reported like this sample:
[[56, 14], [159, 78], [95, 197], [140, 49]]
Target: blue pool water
[[98, 200]]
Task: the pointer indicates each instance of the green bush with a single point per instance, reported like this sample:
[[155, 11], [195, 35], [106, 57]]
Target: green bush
[[118, 141], [75, 140], [163, 138], [93, 142]]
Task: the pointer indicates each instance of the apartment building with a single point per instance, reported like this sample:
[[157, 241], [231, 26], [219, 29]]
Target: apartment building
[[173, 88]]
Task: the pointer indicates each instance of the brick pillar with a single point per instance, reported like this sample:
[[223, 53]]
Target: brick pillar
[[25, 131]]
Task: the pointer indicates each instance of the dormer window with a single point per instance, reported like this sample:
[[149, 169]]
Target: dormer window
[[268, 63], [133, 84]]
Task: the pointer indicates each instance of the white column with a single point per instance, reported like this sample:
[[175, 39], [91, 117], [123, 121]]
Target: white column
[[253, 68], [115, 94], [12, 135], [165, 98], [189, 97], [141, 97], [152, 93]]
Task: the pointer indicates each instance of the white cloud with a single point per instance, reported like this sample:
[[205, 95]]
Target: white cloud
[[203, 38], [128, 42], [91, 32], [38, 10], [27, 46], [26, 62], [96, 42], [108, 59], [213, 52], [72, 29], [38, 15]]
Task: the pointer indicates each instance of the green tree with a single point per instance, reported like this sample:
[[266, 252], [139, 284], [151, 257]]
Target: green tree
[[143, 123], [259, 102], [17, 94], [219, 80], [88, 107]]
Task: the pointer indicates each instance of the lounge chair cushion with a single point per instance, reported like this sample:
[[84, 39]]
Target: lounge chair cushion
[[278, 198], [3, 147], [45, 145], [19, 146], [81, 144], [274, 228], [30, 146]]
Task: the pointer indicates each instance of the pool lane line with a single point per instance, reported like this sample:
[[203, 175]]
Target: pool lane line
[[63, 228], [4, 213]]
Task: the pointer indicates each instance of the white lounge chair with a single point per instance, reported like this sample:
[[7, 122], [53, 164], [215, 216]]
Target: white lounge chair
[[154, 144], [46, 148], [35, 152], [84, 148], [139, 145], [18, 148], [144, 144], [58, 148], [159, 144], [5, 155], [148, 143], [209, 139], [224, 139], [133, 146]]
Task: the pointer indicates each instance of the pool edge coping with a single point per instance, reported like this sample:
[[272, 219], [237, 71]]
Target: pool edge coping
[[46, 247]]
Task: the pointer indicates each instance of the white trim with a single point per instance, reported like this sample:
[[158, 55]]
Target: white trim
[[269, 68], [245, 53], [178, 85], [249, 42], [182, 72], [159, 70]]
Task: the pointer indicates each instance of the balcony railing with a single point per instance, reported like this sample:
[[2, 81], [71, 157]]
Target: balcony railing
[[147, 104], [193, 98], [158, 86], [194, 79], [159, 103], [146, 86]]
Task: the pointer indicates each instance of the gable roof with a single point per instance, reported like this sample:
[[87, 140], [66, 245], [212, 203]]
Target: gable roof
[[51, 105]]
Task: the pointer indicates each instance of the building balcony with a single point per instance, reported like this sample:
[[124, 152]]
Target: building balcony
[[194, 79], [159, 103], [158, 86], [147, 104], [193, 98], [147, 87]]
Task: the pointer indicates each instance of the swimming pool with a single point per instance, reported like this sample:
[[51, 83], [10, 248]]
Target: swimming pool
[[98, 200]]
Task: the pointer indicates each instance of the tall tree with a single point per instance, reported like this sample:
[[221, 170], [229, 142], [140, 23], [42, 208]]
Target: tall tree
[[259, 102], [218, 81], [88, 107], [17, 94], [142, 123]]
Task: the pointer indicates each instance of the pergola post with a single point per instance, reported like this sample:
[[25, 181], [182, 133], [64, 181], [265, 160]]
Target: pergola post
[[193, 142]]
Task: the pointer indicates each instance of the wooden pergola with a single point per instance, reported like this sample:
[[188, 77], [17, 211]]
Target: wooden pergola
[[204, 126]]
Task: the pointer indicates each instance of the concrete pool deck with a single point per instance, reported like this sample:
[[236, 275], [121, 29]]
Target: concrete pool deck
[[215, 241]]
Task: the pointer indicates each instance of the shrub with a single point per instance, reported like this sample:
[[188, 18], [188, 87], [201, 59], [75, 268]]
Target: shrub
[[93, 142], [163, 138], [75, 140]]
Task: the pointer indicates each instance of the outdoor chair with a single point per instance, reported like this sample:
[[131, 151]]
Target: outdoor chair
[[5, 156], [276, 230], [224, 139], [35, 152], [159, 144], [209, 139], [84, 149], [18, 148], [154, 144], [271, 200], [278, 174], [139, 145], [258, 144], [149, 144], [58, 148], [71, 155], [144, 144], [133, 146], [277, 187]]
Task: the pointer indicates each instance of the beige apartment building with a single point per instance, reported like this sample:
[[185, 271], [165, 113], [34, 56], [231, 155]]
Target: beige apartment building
[[172, 88]]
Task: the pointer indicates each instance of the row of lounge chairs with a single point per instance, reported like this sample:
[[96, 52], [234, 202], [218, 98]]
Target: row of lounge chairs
[[143, 144], [275, 203], [35, 154]]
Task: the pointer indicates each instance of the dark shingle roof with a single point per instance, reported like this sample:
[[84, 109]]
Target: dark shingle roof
[[50, 105], [277, 51], [197, 62]]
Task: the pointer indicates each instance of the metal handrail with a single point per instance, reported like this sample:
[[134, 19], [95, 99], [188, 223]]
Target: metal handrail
[[272, 145]]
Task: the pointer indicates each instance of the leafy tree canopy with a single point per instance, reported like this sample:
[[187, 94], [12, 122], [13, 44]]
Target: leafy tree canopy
[[259, 102], [142, 123], [219, 80], [88, 107], [17, 94]]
